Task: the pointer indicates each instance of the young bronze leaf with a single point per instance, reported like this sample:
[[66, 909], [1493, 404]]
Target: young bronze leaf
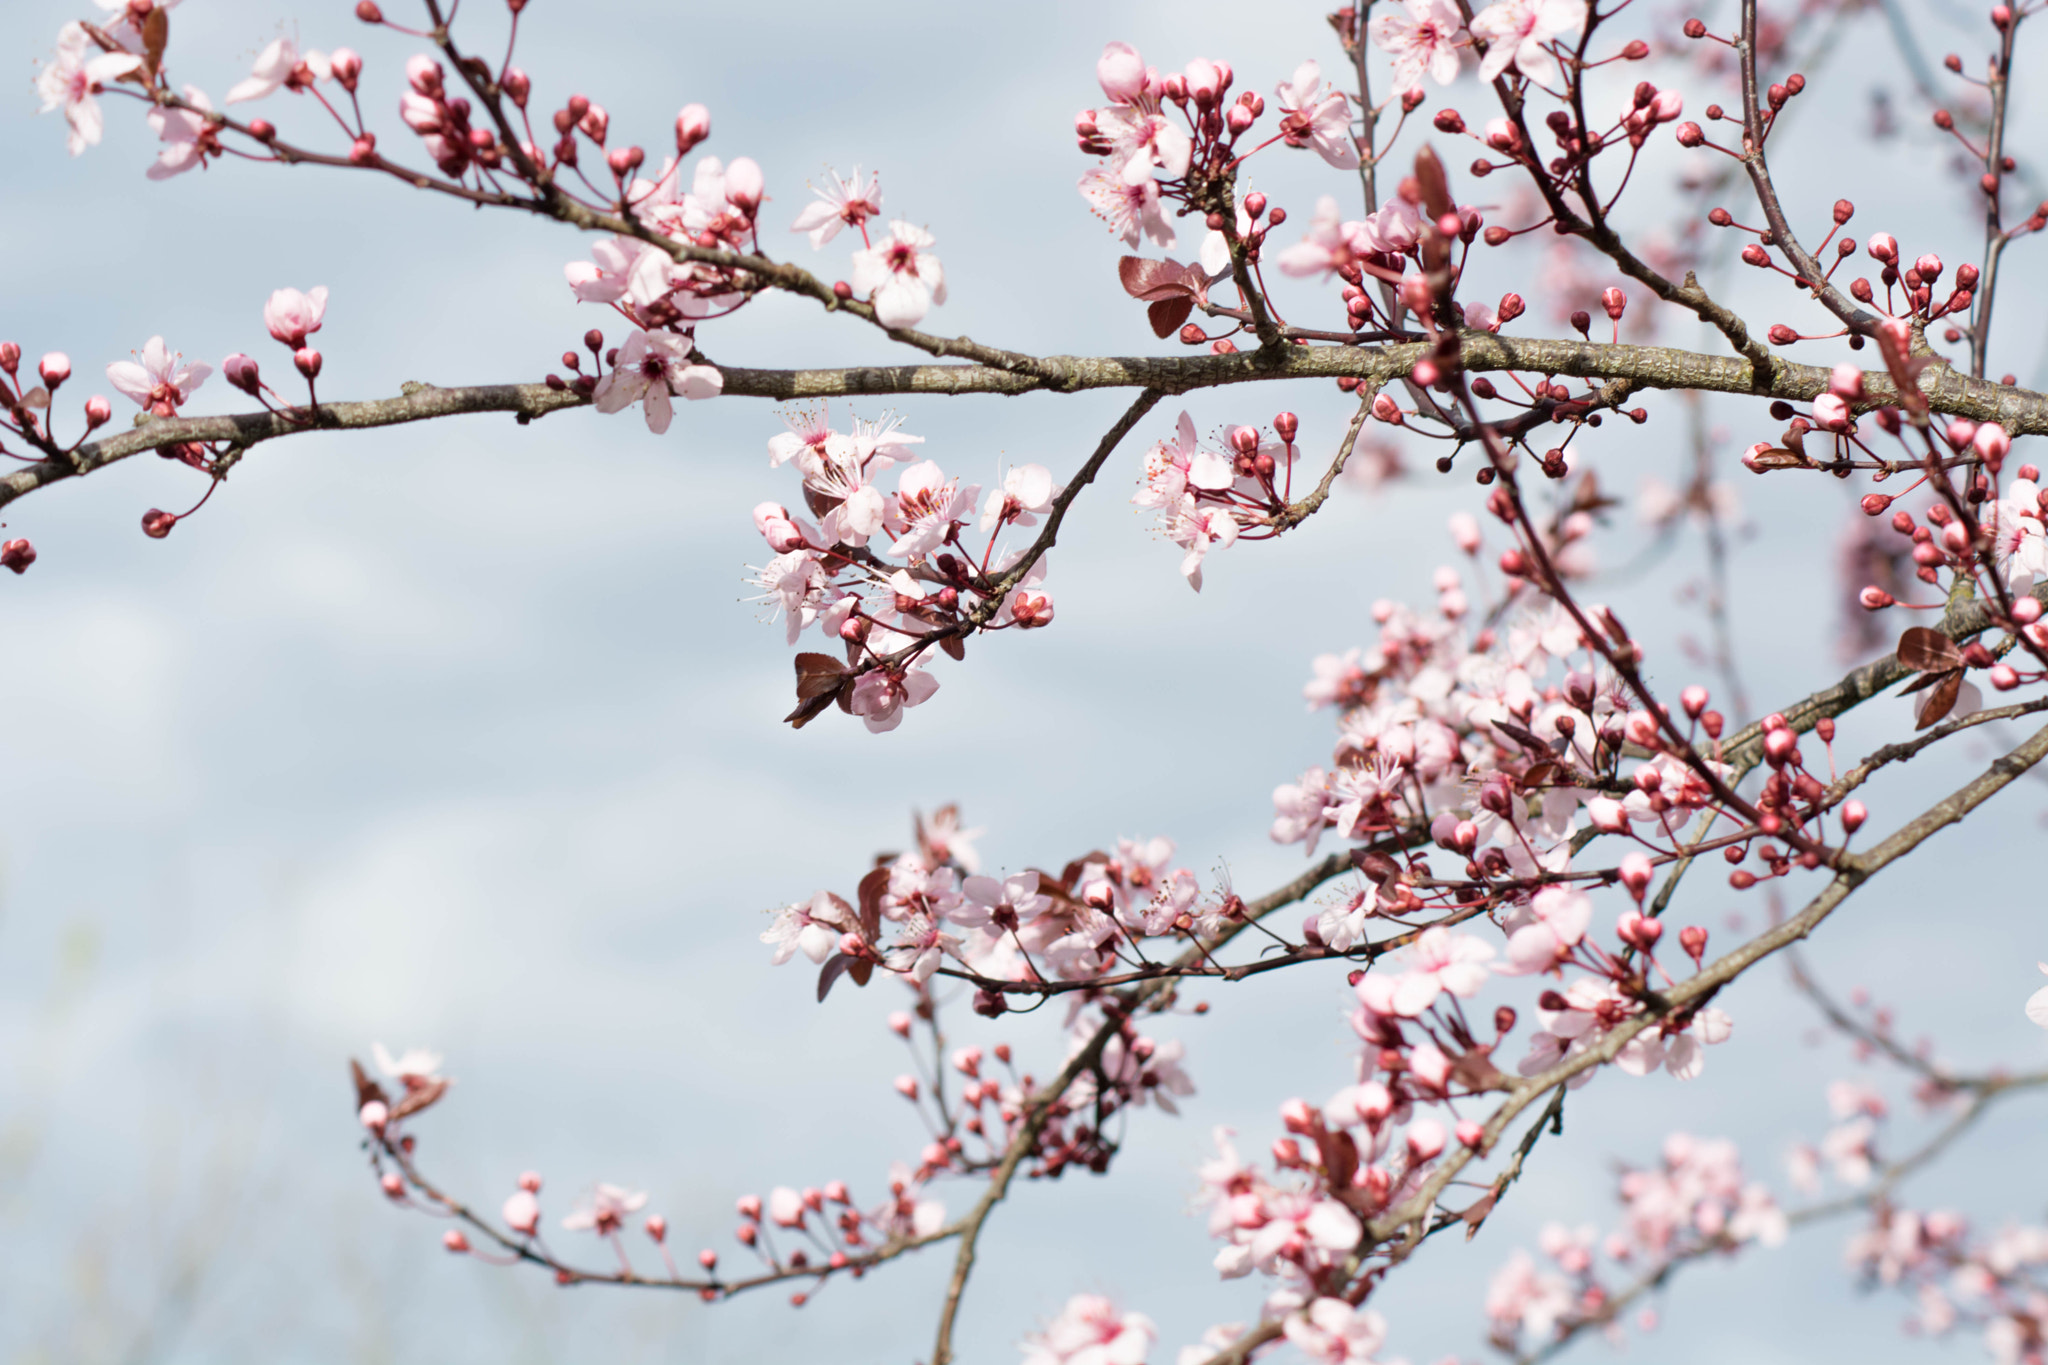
[[808, 711], [956, 649], [1167, 315], [871, 888], [834, 968], [1928, 651], [1941, 700], [1154, 280], [817, 675], [366, 1089], [156, 34], [1523, 737], [415, 1100], [1476, 1215]]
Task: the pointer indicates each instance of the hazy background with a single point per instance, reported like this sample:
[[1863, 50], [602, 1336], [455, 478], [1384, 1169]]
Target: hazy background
[[460, 735]]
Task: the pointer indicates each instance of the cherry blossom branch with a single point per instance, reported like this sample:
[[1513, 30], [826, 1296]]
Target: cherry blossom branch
[[1763, 362], [530, 1251], [1409, 1220], [1995, 238], [969, 1228], [1889, 1179], [1754, 133], [2019, 411], [1881, 1040]]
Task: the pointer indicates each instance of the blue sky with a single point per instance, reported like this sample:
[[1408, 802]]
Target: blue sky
[[461, 735]]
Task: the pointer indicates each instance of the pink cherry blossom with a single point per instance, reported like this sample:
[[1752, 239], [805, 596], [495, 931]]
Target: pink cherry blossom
[[157, 379], [1143, 140], [605, 1212], [2018, 542], [651, 366], [1197, 528], [1330, 245], [1007, 904], [1316, 114], [1438, 961], [927, 504], [812, 927], [900, 276], [1422, 36], [881, 694], [274, 67], [1026, 494], [842, 203], [292, 316], [1131, 210], [1090, 1331], [1554, 921], [1515, 31], [1520, 1298], [72, 79], [1333, 1332], [186, 134], [2037, 1003], [603, 278]]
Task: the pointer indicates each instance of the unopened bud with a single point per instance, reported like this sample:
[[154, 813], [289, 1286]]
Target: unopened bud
[[156, 524], [17, 555], [693, 125]]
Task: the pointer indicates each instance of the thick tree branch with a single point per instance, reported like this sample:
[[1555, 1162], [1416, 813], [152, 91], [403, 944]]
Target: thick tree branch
[[2020, 411]]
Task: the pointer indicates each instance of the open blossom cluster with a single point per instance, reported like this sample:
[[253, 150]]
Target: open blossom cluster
[[896, 558], [1207, 498], [1993, 1284], [930, 910], [1697, 1201]]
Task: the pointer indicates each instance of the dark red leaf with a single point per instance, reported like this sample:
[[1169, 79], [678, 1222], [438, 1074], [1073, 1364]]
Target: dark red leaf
[[156, 33], [955, 648], [810, 710], [1928, 651], [1476, 1215], [366, 1089], [817, 675], [415, 1100], [871, 888], [861, 971], [1525, 738], [1072, 871], [1941, 700], [834, 968], [1167, 315], [1340, 1157], [1154, 280]]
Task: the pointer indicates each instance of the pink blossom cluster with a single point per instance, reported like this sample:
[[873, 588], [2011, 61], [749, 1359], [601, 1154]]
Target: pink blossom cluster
[[1994, 1284], [1207, 499], [932, 907], [1696, 1202], [894, 560]]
